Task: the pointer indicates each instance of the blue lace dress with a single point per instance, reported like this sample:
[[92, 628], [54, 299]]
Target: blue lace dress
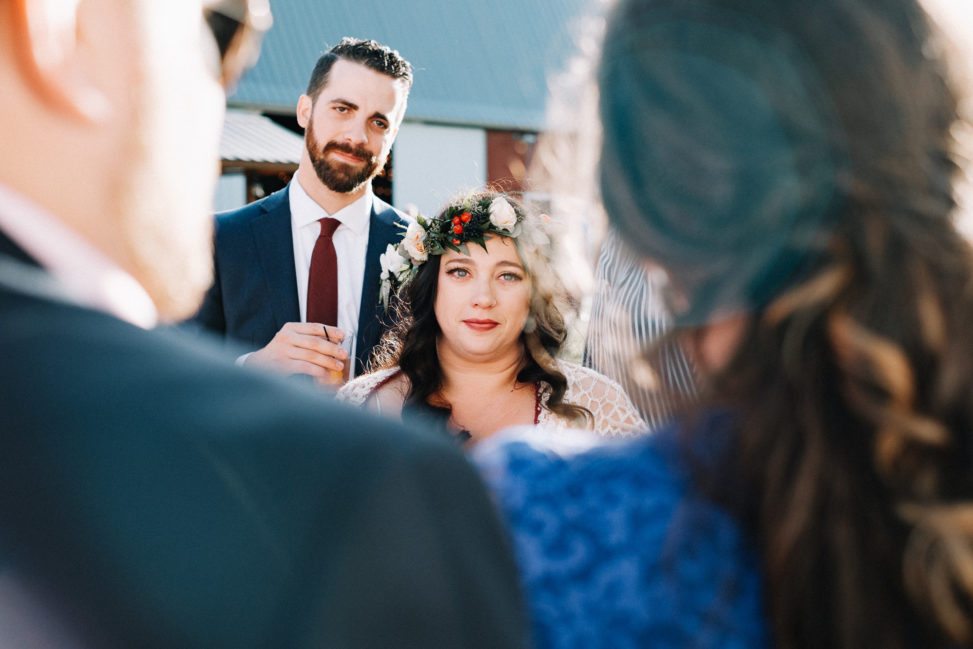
[[616, 550]]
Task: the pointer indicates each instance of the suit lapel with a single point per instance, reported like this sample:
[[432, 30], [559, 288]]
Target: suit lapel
[[274, 246], [382, 231]]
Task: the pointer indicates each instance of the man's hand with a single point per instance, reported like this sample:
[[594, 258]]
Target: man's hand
[[305, 348]]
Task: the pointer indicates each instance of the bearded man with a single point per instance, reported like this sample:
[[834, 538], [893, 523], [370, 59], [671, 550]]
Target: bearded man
[[297, 273]]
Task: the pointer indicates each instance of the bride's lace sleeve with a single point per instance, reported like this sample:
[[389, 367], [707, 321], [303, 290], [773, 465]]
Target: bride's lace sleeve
[[613, 411], [357, 391]]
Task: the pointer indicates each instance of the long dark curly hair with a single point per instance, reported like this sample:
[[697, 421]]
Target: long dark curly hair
[[411, 343], [796, 162]]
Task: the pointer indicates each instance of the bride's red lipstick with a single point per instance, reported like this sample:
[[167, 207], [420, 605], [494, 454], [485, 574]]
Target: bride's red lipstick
[[480, 325]]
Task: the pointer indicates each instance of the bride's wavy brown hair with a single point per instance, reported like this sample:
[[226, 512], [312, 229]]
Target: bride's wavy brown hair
[[852, 384], [411, 343]]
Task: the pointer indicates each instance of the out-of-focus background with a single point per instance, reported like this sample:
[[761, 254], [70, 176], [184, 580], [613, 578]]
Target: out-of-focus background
[[955, 18]]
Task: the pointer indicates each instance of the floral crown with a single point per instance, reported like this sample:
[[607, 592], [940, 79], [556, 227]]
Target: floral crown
[[472, 220]]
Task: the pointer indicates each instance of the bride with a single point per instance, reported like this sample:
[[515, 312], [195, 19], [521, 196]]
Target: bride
[[479, 328]]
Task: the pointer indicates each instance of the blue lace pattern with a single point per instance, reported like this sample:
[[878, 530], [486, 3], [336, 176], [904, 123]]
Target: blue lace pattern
[[615, 550]]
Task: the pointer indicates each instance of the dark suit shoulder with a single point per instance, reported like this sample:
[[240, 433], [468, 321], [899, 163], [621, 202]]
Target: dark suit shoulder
[[248, 212], [111, 355], [70, 357], [234, 234], [386, 213]]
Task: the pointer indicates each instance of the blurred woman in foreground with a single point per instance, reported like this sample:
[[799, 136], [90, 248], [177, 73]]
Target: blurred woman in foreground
[[792, 168]]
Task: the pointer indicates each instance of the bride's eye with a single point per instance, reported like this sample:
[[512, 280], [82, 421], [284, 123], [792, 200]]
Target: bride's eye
[[458, 272]]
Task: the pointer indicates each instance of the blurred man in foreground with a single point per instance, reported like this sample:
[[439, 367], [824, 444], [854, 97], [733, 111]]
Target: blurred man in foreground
[[151, 494]]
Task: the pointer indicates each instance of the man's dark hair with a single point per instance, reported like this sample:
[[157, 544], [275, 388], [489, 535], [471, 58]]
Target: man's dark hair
[[369, 53]]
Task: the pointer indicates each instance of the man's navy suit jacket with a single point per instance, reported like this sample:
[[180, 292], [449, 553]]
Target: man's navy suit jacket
[[255, 289]]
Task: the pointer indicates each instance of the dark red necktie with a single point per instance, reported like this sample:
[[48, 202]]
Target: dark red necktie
[[322, 281]]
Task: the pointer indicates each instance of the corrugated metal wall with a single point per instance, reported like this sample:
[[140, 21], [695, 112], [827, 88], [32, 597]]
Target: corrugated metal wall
[[477, 63]]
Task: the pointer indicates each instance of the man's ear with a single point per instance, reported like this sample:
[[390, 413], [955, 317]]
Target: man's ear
[[45, 34], [305, 106]]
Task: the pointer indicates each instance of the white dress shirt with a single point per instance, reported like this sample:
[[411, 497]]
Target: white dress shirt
[[84, 273], [350, 244]]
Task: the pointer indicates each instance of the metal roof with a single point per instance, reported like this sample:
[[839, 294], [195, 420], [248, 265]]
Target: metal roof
[[253, 138], [478, 63]]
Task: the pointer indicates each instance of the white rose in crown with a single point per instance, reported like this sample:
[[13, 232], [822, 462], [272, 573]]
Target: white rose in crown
[[502, 214], [392, 262], [414, 242]]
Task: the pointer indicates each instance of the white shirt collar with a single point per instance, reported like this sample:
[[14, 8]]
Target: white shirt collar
[[305, 211], [87, 275]]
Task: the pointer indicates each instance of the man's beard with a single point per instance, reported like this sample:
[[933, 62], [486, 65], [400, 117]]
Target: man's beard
[[338, 176]]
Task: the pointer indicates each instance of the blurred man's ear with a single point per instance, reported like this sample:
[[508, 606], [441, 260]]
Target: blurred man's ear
[[46, 37]]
